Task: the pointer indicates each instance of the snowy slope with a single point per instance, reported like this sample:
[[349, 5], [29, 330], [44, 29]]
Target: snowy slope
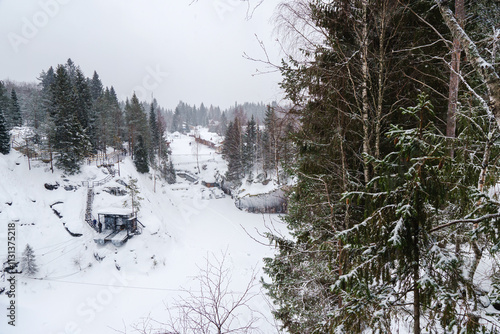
[[77, 293]]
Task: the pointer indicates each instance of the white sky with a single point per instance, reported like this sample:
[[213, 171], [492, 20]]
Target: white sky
[[170, 48]]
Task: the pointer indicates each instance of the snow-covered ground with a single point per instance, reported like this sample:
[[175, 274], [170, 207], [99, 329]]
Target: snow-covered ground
[[74, 292]]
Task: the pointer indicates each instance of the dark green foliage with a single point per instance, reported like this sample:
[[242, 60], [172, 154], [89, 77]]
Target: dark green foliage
[[141, 156], [83, 101], [68, 137], [5, 104], [222, 129], [249, 149], [154, 131], [232, 151], [15, 118], [96, 88], [4, 135], [168, 171], [73, 147], [318, 278], [137, 123]]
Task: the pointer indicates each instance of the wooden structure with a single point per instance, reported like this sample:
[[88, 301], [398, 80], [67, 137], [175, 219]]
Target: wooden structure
[[117, 227]]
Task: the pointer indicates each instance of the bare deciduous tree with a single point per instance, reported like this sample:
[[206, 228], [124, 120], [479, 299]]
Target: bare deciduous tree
[[214, 307]]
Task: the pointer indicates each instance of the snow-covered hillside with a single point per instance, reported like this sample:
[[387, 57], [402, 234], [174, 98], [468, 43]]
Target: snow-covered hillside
[[83, 287]]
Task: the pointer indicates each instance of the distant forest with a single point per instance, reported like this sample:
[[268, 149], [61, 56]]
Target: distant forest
[[74, 116]]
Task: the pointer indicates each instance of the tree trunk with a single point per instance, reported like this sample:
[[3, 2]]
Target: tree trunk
[[416, 298], [485, 69], [364, 92], [454, 77]]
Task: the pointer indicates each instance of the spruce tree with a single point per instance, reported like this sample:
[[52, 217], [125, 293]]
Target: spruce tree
[[137, 123], [270, 140], [96, 88], [4, 135], [231, 151], [83, 102], [222, 129], [5, 104], [141, 156], [346, 93], [154, 130], [15, 111], [119, 131], [399, 250], [168, 171], [68, 137], [249, 147], [28, 263]]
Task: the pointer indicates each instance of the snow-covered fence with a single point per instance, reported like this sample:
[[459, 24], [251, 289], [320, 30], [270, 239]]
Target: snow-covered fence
[[16, 145], [106, 159], [273, 202], [91, 184]]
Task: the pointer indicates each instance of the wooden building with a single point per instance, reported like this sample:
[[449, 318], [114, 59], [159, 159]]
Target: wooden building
[[117, 227]]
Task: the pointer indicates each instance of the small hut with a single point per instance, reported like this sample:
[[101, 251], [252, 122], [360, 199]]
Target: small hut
[[117, 226]]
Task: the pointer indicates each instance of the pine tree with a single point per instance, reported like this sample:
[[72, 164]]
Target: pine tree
[[28, 263], [15, 111], [4, 135], [141, 156]]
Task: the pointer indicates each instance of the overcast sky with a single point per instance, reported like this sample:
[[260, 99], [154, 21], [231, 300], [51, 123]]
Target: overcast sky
[[170, 48]]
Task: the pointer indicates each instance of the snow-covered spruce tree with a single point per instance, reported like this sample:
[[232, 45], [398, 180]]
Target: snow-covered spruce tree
[[4, 135], [400, 262], [270, 140], [68, 138], [249, 146], [137, 123], [168, 171], [141, 156], [154, 133], [74, 146], [347, 92], [83, 103], [14, 111], [5, 104], [28, 263], [231, 151]]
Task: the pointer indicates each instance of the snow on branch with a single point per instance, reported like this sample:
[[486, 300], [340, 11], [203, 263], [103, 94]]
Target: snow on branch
[[472, 220]]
